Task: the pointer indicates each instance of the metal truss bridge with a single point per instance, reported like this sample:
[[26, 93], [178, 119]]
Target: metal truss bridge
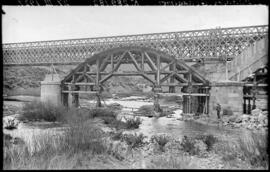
[[211, 44]]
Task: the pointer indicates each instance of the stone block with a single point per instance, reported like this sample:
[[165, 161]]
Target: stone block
[[256, 112]]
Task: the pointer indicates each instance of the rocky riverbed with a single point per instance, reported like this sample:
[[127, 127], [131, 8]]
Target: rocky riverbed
[[175, 125]]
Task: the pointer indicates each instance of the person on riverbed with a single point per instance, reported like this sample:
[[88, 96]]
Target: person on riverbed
[[218, 108]]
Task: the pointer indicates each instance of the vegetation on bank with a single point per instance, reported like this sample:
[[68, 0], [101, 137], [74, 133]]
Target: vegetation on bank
[[84, 145], [38, 111]]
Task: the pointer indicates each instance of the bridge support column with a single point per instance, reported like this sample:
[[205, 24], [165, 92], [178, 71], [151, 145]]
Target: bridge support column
[[229, 95], [98, 94], [50, 91], [73, 98]]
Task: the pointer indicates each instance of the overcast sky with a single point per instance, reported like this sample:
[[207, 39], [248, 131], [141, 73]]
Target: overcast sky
[[38, 23]]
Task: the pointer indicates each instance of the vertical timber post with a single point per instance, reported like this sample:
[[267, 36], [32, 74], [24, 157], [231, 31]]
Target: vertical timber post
[[254, 90], [172, 68], [98, 104], [189, 91], [157, 88]]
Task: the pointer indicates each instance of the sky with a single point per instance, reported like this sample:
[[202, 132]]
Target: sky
[[40, 23]]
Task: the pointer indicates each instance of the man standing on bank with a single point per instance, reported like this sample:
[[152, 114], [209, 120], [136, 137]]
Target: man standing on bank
[[218, 108]]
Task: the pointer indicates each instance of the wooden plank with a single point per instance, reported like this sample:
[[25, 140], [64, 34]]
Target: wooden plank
[[152, 64], [80, 83], [166, 77], [183, 94], [104, 63], [85, 92], [163, 69], [134, 61], [182, 84], [158, 70], [259, 85]]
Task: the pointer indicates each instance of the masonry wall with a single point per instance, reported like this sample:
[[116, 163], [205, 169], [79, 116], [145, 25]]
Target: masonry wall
[[228, 95]]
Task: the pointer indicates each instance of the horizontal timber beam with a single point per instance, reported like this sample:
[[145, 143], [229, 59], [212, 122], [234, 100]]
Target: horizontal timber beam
[[85, 92], [183, 94], [80, 83]]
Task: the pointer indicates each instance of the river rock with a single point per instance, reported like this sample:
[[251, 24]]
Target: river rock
[[265, 112], [180, 118], [256, 112], [245, 117], [261, 118], [238, 120], [232, 118]]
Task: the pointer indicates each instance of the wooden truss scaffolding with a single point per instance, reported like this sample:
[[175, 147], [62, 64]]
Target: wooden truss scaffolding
[[158, 68]]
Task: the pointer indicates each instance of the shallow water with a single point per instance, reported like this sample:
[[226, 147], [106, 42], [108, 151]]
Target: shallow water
[[162, 125]]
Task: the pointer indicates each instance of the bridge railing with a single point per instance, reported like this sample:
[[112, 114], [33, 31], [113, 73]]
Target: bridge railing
[[217, 43]]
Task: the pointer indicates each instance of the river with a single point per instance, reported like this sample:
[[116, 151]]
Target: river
[[162, 125]]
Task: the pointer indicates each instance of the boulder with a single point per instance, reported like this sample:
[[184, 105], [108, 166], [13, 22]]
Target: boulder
[[232, 118], [245, 117], [261, 117], [256, 112], [265, 113], [180, 118], [238, 120]]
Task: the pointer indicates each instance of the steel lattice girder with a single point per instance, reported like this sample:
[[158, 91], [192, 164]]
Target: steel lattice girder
[[217, 44]]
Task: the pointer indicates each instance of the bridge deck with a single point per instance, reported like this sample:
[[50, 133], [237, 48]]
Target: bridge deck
[[208, 44]]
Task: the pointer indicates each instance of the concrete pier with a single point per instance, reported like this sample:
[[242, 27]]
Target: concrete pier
[[50, 91]]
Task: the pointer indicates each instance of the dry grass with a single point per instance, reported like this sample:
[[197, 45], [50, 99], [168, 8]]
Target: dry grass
[[171, 161], [249, 151]]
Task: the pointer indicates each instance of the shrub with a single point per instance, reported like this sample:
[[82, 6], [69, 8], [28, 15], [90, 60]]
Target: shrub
[[10, 123], [117, 135], [146, 110], [102, 113], [209, 140], [40, 111], [135, 140], [133, 123], [188, 145], [160, 140]]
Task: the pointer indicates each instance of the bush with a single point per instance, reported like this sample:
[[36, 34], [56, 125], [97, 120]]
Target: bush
[[133, 123], [10, 123], [146, 110], [40, 111], [160, 140], [188, 145], [117, 135], [209, 140], [135, 140]]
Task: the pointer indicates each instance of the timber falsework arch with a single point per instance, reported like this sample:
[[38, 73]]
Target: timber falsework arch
[[159, 68]]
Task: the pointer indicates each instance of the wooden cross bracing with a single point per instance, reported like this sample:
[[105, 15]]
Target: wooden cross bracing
[[156, 67]]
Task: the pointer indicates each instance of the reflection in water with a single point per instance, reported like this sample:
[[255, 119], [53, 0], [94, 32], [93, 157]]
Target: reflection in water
[[164, 125]]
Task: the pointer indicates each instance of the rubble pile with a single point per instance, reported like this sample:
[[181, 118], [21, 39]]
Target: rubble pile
[[257, 120]]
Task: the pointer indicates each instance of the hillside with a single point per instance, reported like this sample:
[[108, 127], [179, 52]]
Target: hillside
[[26, 81]]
